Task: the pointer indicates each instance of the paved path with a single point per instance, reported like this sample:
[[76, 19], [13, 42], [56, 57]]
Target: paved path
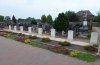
[[16, 53]]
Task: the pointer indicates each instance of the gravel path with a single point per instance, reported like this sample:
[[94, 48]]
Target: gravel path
[[16, 53]]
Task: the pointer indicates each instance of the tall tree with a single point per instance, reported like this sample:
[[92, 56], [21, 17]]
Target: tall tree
[[49, 19], [7, 18], [72, 16], [33, 22], [14, 19], [61, 22], [97, 18], [43, 19], [1, 18]]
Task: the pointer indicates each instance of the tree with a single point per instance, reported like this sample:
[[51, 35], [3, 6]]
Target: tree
[[1, 18], [29, 19], [33, 22], [49, 19], [7, 18], [97, 18], [61, 22], [72, 16], [43, 19], [14, 19]]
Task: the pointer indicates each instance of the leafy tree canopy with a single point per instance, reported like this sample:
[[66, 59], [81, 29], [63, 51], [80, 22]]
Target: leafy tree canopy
[[97, 18], [1, 18], [49, 19], [61, 22], [14, 19], [43, 19], [33, 22], [72, 16], [7, 18]]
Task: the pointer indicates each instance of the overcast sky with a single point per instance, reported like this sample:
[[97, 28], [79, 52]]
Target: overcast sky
[[36, 8]]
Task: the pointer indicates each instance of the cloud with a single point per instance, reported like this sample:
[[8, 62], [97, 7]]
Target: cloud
[[35, 8]]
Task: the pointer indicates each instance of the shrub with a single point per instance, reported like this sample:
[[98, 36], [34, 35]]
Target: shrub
[[89, 35], [65, 43], [33, 37], [45, 40], [7, 35], [20, 34], [27, 41], [74, 53], [35, 44], [86, 57], [90, 48]]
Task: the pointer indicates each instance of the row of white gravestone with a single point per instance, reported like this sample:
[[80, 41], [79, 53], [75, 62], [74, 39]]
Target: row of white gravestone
[[93, 40]]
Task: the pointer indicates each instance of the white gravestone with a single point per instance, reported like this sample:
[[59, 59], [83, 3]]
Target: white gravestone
[[15, 28], [98, 53], [52, 32], [84, 23], [9, 27], [40, 31], [70, 35], [29, 29], [63, 33], [21, 28], [94, 38]]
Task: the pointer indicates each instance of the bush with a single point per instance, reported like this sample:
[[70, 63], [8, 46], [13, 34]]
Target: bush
[[35, 44], [89, 36], [74, 53], [27, 41], [20, 34], [45, 40], [65, 43], [90, 48], [86, 57], [33, 37], [7, 35]]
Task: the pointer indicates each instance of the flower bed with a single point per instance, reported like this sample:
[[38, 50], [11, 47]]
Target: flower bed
[[58, 48]]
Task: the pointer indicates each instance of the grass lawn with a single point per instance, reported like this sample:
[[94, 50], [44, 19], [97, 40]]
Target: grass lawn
[[86, 57]]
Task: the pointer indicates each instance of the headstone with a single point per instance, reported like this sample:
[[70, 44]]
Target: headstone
[[40, 31], [70, 34], [52, 32], [21, 28], [29, 29], [63, 33], [15, 28], [94, 38], [84, 23], [98, 53], [9, 27]]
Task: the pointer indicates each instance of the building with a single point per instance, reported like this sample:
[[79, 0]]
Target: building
[[85, 14]]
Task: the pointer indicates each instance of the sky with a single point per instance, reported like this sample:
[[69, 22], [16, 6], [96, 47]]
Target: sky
[[36, 8]]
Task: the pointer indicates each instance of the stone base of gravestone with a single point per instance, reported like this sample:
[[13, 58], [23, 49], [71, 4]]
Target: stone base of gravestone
[[94, 38], [70, 35], [21, 28], [29, 29], [98, 53], [40, 31], [9, 27], [52, 32]]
